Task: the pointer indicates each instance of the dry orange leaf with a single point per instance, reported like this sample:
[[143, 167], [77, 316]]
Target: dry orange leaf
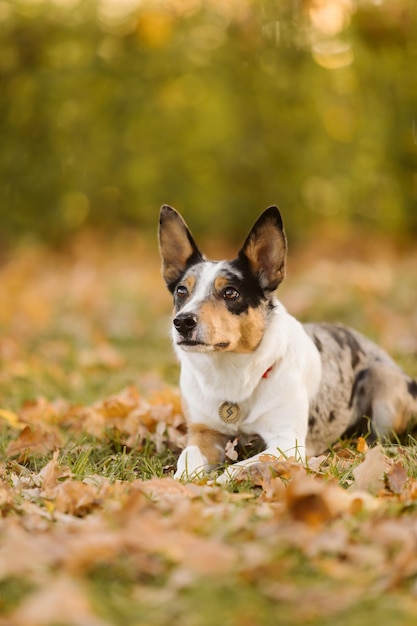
[[76, 498], [6, 495], [361, 445], [52, 472], [33, 440], [306, 502], [121, 404], [167, 396], [162, 488], [44, 411], [396, 478]]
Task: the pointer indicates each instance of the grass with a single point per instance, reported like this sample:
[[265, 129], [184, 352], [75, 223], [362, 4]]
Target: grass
[[94, 520]]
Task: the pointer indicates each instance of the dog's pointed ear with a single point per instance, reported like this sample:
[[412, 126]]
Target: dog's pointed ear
[[265, 249], [177, 246]]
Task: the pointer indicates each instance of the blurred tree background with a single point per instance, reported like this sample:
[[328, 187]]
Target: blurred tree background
[[109, 108]]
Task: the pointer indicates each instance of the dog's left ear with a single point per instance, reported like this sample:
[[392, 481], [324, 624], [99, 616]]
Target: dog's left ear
[[265, 248]]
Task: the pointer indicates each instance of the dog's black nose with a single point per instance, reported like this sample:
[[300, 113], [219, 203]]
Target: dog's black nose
[[185, 323]]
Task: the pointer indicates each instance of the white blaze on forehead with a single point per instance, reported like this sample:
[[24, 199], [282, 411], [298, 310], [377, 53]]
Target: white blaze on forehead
[[205, 275]]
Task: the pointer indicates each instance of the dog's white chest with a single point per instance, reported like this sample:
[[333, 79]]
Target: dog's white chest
[[228, 404]]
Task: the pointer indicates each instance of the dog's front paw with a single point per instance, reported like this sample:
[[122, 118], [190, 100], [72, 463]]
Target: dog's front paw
[[237, 470], [192, 464]]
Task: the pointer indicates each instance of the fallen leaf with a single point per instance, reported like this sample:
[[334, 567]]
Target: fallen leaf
[[162, 488], [42, 410], [33, 440], [315, 463], [396, 478], [315, 501], [230, 450], [76, 498], [121, 404], [11, 418], [52, 472], [306, 502], [370, 474], [361, 445], [6, 496]]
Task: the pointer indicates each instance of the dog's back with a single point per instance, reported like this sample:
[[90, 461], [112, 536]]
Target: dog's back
[[362, 389]]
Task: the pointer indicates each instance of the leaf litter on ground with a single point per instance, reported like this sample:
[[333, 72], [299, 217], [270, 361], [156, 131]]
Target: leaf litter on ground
[[93, 528]]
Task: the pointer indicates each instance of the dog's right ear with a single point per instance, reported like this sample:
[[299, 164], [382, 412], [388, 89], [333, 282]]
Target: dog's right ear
[[177, 246]]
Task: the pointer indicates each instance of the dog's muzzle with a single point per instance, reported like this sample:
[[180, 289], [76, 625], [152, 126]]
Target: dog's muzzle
[[185, 323]]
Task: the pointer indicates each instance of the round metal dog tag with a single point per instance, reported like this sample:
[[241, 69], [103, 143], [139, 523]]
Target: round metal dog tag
[[229, 412]]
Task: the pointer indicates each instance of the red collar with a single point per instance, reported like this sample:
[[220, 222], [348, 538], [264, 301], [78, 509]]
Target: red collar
[[268, 371]]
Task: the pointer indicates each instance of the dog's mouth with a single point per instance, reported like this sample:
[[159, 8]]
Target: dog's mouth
[[200, 346]]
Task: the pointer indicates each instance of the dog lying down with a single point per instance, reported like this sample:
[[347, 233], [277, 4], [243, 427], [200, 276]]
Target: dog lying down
[[249, 367]]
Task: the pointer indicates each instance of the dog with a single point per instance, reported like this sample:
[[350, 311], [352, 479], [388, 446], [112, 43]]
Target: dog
[[249, 367]]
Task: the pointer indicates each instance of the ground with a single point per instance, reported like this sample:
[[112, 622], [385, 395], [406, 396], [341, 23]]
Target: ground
[[94, 531]]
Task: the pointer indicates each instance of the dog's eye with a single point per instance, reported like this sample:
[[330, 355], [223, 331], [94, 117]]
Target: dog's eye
[[182, 292], [230, 293]]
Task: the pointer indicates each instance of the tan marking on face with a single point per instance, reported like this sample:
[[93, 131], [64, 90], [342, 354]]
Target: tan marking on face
[[218, 324], [220, 283], [252, 327], [189, 282], [210, 442], [242, 333]]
